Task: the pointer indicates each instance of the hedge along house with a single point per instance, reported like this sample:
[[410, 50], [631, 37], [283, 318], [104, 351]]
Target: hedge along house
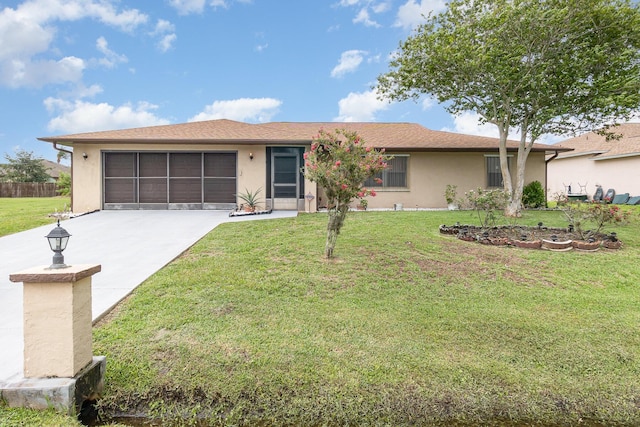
[[204, 165]]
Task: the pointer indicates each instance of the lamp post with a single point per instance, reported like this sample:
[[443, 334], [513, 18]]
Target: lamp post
[[309, 197], [58, 239]]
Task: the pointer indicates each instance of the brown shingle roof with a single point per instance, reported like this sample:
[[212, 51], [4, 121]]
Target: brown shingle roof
[[592, 144], [54, 169], [392, 136]]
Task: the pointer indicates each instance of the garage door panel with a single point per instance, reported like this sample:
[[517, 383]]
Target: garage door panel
[[153, 190], [220, 165], [185, 190], [120, 190], [185, 165], [120, 165], [153, 165], [219, 190]]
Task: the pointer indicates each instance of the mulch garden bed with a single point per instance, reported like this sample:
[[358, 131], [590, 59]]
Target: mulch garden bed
[[537, 237]]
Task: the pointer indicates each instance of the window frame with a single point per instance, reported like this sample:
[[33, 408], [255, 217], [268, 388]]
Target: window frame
[[370, 183], [487, 173]]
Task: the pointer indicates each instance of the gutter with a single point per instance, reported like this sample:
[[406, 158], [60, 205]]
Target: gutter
[[546, 167], [55, 147]]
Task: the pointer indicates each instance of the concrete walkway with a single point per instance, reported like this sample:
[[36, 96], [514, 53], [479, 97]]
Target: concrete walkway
[[130, 245]]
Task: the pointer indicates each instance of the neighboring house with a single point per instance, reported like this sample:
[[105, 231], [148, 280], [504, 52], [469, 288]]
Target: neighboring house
[[54, 169], [595, 161], [203, 165]]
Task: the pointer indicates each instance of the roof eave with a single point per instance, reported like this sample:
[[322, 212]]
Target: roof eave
[[616, 156], [70, 142]]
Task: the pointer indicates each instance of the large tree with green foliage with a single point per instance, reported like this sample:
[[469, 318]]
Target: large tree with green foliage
[[539, 66], [24, 167]]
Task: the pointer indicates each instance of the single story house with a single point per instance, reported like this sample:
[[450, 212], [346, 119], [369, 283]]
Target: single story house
[[204, 165], [593, 161], [55, 169]]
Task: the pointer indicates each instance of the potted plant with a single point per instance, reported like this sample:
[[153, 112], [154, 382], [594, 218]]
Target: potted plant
[[450, 196], [362, 206], [251, 199]]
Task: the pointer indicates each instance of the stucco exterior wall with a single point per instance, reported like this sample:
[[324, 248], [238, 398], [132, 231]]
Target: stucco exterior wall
[[427, 176], [429, 173], [621, 174]]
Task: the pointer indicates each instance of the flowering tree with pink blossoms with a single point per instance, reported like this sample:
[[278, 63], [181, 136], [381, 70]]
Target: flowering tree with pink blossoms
[[340, 163]]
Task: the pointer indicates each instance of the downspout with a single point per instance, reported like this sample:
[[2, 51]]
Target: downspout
[[55, 147], [546, 163]]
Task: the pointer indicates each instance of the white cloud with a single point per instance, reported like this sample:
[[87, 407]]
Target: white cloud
[[349, 62], [373, 59], [80, 116], [165, 31], [262, 44], [363, 18], [365, 7], [25, 73], [381, 7], [163, 26], [80, 91], [427, 103], [28, 31], [469, 123], [110, 59], [411, 13], [185, 7], [243, 109], [43, 11], [166, 42], [360, 107]]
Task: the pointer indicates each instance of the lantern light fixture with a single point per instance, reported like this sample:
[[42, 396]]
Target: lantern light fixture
[[58, 239]]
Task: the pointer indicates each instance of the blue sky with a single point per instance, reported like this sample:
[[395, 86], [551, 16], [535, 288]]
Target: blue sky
[[69, 66]]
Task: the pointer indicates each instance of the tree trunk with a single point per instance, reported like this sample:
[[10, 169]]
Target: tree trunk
[[336, 220], [514, 208]]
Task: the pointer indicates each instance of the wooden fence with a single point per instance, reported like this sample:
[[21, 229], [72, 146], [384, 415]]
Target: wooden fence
[[28, 189]]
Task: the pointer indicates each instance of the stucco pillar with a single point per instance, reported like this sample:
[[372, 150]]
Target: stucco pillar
[[57, 320]]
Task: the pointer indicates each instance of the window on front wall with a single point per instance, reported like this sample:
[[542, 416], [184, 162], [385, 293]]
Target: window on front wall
[[494, 173], [394, 176]]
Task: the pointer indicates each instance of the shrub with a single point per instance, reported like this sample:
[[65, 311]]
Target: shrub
[[63, 186], [596, 215], [533, 195], [486, 203], [450, 193]]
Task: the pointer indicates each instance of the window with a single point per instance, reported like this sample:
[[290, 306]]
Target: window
[[394, 176], [494, 174]]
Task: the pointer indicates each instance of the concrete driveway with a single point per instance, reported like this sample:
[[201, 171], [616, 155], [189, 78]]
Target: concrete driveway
[[130, 246]]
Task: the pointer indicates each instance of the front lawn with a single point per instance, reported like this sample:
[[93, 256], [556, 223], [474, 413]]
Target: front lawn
[[23, 213], [405, 326]]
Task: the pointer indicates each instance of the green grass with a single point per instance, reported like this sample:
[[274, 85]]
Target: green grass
[[405, 326], [18, 417], [20, 214]]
